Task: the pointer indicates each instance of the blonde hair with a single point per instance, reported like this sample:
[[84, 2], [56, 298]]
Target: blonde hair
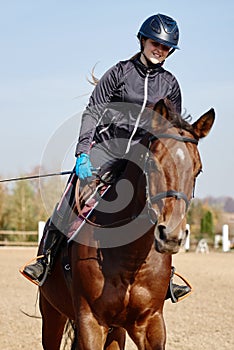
[[94, 80]]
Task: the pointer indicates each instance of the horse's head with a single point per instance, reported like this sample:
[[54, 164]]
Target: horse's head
[[174, 164]]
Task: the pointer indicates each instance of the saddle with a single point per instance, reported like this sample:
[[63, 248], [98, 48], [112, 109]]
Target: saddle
[[87, 196]]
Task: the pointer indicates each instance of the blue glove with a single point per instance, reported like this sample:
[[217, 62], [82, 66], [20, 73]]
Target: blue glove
[[83, 166]]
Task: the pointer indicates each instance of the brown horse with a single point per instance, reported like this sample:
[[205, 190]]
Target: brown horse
[[119, 268]]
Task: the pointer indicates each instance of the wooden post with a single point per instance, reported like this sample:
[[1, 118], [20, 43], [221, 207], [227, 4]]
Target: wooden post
[[41, 225], [226, 242], [187, 241]]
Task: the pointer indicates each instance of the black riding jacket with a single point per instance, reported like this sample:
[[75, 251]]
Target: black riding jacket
[[118, 111]]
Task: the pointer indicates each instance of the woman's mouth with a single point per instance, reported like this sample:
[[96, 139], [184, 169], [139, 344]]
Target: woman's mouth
[[156, 55], [155, 58]]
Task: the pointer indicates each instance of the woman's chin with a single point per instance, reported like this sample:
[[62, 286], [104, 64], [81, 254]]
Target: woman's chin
[[154, 60]]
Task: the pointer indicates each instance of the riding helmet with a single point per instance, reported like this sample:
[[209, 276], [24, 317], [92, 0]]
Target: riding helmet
[[162, 29]]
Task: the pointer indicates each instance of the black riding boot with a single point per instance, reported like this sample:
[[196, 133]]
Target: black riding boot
[[52, 239], [175, 291], [53, 233]]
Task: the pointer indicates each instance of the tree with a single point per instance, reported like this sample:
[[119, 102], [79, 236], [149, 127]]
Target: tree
[[207, 224], [24, 203], [4, 210], [194, 216], [22, 207]]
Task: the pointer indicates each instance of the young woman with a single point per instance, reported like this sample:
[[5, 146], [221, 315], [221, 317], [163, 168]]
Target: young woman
[[115, 107], [115, 118]]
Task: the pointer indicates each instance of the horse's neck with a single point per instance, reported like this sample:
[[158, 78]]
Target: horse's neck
[[130, 257], [134, 172]]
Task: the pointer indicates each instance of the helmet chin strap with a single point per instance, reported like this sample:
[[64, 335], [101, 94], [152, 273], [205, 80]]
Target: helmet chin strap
[[170, 52]]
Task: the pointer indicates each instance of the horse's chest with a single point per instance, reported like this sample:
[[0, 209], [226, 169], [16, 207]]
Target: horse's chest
[[118, 295]]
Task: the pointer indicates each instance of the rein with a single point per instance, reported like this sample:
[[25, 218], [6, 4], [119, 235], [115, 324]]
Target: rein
[[92, 223], [174, 137]]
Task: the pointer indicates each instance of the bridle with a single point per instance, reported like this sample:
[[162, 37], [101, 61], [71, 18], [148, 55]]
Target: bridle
[[165, 194]]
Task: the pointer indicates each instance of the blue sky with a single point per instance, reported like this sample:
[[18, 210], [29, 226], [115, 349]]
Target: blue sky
[[48, 49]]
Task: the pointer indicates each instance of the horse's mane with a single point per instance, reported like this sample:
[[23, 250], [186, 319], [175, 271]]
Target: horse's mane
[[180, 121]]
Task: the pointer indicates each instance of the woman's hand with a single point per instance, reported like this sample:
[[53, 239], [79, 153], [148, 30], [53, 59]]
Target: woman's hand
[[83, 166]]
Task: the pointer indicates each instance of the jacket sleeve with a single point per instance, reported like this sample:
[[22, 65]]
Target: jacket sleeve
[[175, 96], [100, 97]]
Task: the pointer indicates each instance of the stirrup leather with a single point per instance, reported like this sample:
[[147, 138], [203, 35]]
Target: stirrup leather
[[172, 295]]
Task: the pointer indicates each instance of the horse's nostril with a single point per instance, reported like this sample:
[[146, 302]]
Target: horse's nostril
[[162, 232]]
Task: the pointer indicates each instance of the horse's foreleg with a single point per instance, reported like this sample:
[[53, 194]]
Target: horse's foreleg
[[90, 335], [150, 336], [115, 339], [52, 325], [156, 333]]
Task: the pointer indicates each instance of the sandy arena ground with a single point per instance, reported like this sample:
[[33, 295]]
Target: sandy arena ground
[[203, 321]]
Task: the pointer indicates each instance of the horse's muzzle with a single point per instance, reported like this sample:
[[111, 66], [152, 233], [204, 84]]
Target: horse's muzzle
[[166, 241]]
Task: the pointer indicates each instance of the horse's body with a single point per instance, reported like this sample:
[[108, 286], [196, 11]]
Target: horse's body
[[119, 275]]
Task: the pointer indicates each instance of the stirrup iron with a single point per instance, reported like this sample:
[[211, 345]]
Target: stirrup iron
[[172, 295]]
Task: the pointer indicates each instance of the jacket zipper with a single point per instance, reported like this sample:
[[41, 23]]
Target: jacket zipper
[[141, 111]]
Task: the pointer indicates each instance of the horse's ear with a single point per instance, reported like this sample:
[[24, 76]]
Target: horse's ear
[[203, 125], [161, 114], [162, 109]]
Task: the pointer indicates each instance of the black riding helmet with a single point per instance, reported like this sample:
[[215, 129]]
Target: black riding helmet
[[162, 29]]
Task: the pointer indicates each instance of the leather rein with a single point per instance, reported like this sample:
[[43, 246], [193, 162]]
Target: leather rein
[[150, 200]]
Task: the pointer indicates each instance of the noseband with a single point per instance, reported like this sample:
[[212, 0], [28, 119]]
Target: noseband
[[170, 193]]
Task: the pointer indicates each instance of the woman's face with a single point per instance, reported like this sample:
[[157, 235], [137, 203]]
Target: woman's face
[[154, 51]]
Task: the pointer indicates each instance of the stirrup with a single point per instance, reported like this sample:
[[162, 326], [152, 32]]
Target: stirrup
[[172, 295], [21, 270], [38, 283]]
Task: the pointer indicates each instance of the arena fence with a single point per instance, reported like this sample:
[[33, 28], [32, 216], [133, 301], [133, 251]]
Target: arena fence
[[18, 238]]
